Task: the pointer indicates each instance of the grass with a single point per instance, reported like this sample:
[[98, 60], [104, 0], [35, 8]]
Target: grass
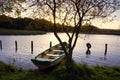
[[78, 72], [19, 32]]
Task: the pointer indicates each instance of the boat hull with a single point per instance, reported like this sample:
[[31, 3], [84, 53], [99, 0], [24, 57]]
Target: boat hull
[[42, 65], [50, 57]]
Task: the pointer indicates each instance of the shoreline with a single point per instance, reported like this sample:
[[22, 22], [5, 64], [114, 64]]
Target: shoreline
[[35, 32], [20, 32]]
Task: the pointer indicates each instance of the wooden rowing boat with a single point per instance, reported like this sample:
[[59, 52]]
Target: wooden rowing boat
[[50, 57]]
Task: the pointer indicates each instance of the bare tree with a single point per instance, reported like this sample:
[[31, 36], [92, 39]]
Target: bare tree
[[75, 13], [11, 6]]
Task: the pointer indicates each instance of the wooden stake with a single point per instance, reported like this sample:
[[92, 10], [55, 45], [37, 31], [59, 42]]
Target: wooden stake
[[16, 47], [105, 50], [31, 46], [0, 44]]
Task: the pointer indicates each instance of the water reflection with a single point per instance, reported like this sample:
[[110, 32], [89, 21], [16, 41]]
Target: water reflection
[[96, 53]]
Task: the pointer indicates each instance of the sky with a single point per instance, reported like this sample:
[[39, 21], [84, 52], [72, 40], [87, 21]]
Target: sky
[[109, 23], [106, 23]]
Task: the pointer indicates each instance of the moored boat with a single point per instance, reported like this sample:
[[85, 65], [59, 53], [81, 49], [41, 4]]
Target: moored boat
[[50, 57]]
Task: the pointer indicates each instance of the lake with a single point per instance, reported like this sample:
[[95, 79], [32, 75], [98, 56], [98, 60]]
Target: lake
[[22, 58]]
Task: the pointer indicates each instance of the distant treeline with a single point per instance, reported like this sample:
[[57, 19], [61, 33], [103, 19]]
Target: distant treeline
[[29, 24], [44, 25], [38, 24], [90, 29]]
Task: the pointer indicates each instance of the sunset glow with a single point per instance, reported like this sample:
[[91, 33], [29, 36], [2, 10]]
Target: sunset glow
[[106, 23]]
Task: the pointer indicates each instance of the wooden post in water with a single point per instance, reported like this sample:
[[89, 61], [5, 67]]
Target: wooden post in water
[[31, 46], [105, 50], [0, 45], [16, 47]]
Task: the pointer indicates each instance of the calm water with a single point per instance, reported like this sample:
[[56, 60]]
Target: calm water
[[22, 58]]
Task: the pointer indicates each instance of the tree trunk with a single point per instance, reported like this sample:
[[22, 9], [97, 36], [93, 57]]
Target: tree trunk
[[69, 61]]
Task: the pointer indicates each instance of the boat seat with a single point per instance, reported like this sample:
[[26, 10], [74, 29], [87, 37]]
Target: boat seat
[[52, 55], [57, 50], [42, 59]]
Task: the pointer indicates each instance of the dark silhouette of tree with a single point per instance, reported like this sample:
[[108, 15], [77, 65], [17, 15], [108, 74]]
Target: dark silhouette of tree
[[5, 21], [14, 6], [29, 24], [88, 28]]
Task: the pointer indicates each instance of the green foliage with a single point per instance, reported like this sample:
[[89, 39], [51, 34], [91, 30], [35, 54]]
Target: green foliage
[[77, 72], [107, 73], [6, 68]]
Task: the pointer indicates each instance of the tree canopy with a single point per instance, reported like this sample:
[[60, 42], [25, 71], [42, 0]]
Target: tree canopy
[[11, 6]]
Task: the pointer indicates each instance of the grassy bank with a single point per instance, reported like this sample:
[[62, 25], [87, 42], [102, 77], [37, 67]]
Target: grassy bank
[[78, 72], [19, 32]]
